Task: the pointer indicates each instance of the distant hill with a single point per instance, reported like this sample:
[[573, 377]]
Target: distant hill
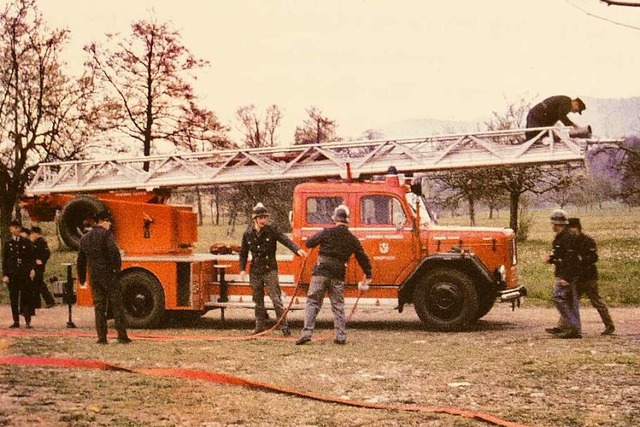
[[609, 118], [612, 118]]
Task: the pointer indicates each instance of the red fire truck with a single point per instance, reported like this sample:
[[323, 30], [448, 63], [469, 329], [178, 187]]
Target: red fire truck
[[451, 275]]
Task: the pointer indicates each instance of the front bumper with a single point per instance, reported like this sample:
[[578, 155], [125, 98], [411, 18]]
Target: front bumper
[[514, 294]]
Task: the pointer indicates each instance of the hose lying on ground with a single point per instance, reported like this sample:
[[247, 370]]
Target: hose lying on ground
[[193, 374]]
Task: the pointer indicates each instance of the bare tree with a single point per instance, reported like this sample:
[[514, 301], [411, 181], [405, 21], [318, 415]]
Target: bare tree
[[470, 186], [463, 185], [145, 88], [259, 132], [629, 191], [42, 109], [316, 129], [371, 135], [568, 189], [202, 131]]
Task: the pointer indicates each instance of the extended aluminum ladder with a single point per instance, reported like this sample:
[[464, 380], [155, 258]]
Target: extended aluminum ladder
[[337, 159]]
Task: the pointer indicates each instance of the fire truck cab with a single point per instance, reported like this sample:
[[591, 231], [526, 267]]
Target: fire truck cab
[[452, 275]]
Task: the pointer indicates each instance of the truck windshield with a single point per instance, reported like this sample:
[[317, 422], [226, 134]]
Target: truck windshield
[[426, 216]]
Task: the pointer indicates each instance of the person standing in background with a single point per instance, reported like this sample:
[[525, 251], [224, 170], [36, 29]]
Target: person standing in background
[[588, 277], [18, 273], [100, 255], [41, 255], [564, 258]]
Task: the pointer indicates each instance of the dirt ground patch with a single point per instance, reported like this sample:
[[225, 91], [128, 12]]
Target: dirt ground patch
[[508, 367]]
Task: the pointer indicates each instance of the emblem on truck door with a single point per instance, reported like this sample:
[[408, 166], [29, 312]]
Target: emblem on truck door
[[384, 247]]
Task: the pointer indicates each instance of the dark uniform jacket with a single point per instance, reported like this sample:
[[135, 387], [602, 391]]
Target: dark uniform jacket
[[41, 252], [263, 248], [587, 256], [564, 255], [549, 111], [337, 244], [17, 257], [99, 250]]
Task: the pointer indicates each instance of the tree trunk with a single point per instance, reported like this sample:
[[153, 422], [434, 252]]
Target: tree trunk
[[199, 201], [217, 196], [472, 212], [514, 202], [211, 203]]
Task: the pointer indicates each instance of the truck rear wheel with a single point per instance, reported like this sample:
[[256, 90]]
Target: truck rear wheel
[[446, 300], [142, 298], [74, 219]]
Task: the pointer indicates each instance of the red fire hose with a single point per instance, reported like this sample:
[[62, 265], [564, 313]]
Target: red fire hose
[[193, 374]]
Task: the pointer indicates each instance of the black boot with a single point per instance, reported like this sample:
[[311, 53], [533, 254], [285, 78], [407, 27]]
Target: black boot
[[609, 329]]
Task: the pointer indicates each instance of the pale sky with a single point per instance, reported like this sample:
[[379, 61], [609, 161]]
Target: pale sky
[[367, 63]]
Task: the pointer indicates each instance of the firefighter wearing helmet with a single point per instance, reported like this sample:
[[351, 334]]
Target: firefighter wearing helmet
[[337, 244], [261, 239], [564, 257]]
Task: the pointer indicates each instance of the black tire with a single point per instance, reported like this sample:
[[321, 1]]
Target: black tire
[[446, 300], [485, 304], [142, 299], [74, 219]]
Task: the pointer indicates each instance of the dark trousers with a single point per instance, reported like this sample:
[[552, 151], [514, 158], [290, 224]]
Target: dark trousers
[[108, 292], [533, 122], [41, 290], [590, 288], [20, 297], [270, 281]]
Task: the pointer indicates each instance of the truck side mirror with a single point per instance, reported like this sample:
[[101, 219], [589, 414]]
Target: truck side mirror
[[420, 186], [424, 185]]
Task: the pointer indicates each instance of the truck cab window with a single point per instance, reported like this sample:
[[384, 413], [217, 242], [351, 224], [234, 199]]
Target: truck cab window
[[381, 210], [320, 209]]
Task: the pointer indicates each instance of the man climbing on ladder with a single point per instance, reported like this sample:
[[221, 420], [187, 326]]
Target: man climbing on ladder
[[552, 110]]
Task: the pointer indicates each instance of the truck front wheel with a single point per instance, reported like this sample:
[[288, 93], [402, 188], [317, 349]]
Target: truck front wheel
[[142, 298], [446, 300]]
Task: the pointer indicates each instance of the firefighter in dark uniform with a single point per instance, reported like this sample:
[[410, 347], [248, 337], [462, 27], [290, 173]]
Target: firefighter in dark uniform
[[565, 259], [552, 110], [588, 278], [261, 239], [18, 273], [100, 255], [41, 255], [337, 244]]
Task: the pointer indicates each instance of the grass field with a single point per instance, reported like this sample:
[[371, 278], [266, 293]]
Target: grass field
[[616, 230]]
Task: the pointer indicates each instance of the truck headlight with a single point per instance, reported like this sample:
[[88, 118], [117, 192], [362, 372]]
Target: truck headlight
[[502, 273]]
